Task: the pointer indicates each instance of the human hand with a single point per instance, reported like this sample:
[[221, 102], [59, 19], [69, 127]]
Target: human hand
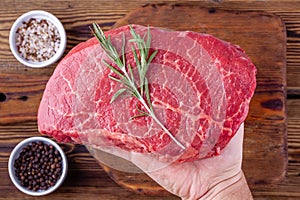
[[218, 177], [209, 178]]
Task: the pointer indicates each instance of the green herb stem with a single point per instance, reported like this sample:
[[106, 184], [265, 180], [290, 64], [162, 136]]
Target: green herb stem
[[127, 79]]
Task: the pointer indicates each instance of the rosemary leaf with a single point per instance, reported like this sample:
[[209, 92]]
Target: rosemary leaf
[[148, 42], [130, 72], [136, 58], [118, 93], [138, 65], [139, 115], [148, 94], [115, 79], [123, 50], [113, 69], [142, 113], [152, 56]]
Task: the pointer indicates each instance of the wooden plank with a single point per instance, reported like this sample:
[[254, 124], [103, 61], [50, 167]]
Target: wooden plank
[[77, 20], [20, 96], [265, 127], [77, 15]]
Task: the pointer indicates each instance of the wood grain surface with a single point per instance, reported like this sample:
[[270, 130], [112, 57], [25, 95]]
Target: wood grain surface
[[21, 87]]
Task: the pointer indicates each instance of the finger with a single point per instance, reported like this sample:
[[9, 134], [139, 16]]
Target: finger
[[235, 146]]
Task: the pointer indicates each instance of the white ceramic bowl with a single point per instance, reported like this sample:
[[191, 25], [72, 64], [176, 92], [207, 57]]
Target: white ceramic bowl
[[37, 14], [15, 154]]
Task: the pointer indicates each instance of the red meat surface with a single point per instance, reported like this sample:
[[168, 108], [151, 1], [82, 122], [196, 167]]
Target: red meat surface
[[200, 88]]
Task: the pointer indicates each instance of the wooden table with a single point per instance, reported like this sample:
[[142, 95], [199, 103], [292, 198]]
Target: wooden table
[[86, 179]]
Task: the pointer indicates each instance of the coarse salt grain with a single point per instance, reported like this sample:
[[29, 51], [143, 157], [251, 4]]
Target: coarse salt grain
[[37, 40]]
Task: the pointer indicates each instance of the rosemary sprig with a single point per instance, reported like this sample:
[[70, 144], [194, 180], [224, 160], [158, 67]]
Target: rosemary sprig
[[142, 61]]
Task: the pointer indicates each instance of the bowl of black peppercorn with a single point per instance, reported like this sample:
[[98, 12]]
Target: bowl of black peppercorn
[[37, 166]]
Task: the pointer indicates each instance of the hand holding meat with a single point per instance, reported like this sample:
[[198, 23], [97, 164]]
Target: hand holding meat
[[218, 177], [214, 178], [199, 87]]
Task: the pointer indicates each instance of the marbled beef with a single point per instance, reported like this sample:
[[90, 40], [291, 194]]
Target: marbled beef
[[200, 88]]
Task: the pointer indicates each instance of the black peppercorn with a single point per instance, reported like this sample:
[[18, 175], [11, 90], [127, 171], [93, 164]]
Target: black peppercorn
[[38, 166]]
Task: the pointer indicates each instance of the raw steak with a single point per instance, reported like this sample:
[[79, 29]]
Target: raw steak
[[200, 88]]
